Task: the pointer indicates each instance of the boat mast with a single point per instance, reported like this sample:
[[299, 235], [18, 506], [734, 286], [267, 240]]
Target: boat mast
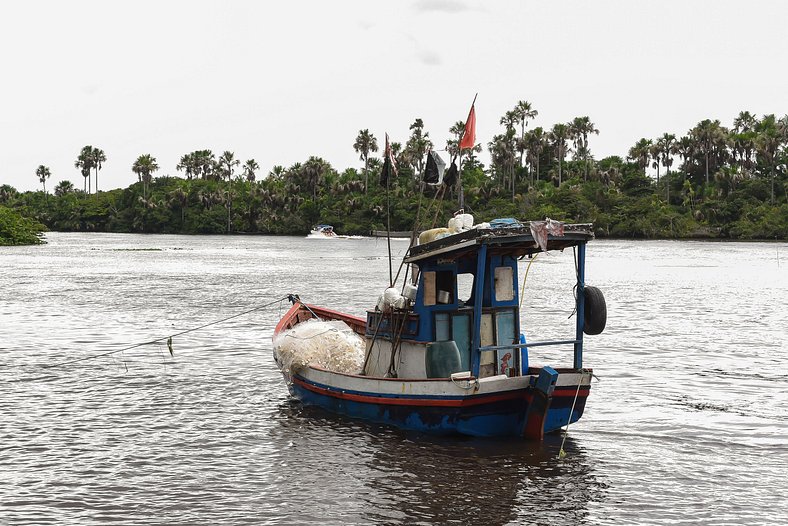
[[460, 193]]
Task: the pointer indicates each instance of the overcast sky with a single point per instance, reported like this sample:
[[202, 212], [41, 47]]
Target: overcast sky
[[280, 81]]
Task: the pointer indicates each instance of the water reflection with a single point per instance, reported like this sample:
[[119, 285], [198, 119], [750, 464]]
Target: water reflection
[[413, 478]]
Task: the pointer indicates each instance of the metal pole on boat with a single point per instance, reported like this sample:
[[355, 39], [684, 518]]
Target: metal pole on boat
[[581, 277], [388, 229], [460, 193]]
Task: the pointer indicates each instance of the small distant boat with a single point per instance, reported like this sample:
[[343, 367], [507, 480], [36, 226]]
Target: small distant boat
[[322, 232], [441, 363]]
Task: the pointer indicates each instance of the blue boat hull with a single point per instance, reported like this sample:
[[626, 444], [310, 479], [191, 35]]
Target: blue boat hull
[[492, 415]]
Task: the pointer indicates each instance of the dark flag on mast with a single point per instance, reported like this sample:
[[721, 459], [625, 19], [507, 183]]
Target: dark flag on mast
[[433, 173], [450, 177], [389, 164]]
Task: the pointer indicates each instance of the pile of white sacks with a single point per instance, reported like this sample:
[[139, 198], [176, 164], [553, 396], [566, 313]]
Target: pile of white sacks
[[458, 223], [331, 345]]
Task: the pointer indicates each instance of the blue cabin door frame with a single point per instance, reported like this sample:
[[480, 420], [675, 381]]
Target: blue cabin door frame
[[478, 297], [581, 278]]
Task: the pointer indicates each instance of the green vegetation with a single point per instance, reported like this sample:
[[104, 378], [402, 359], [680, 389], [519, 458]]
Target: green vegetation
[[18, 230], [717, 183]]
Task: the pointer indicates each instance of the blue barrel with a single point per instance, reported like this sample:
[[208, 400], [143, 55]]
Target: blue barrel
[[442, 359]]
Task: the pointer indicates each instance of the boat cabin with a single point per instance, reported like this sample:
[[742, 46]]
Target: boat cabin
[[467, 298]]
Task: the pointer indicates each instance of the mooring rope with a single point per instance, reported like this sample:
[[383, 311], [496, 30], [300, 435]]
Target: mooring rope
[[168, 338], [561, 452]]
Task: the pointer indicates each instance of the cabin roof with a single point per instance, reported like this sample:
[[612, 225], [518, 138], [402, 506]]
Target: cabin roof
[[512, 240]]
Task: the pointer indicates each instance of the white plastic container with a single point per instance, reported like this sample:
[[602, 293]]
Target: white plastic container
[[390, 296], [467, 221], [410, 292]]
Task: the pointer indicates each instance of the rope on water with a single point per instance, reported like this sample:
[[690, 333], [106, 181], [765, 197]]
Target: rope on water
[[169, 338]]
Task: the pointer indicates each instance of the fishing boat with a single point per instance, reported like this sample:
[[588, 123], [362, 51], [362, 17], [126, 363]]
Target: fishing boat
[[440, 363]]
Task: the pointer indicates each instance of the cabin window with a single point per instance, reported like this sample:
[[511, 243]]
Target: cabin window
[[461, 334], [442, 327], [438, 287], [504, 327], [506, 359], [504, 284], [444, 283], [465, 287]]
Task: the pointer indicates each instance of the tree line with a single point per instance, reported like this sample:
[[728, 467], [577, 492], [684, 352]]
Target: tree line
[[717, 182]]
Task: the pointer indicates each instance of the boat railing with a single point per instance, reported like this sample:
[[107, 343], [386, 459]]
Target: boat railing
[[526, 345]]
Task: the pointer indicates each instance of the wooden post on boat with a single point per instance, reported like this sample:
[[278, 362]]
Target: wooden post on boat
[[540, 403]]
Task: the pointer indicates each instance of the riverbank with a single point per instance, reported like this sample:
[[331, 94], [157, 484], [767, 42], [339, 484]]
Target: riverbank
[[630, 207], [18, 230]]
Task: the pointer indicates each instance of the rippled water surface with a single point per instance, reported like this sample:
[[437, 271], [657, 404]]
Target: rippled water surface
[[688, 422]]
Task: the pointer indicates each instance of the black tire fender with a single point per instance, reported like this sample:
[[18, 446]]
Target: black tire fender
[[595, 311]]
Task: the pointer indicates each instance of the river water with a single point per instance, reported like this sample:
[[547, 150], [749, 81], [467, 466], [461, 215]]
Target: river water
[[688, 422]]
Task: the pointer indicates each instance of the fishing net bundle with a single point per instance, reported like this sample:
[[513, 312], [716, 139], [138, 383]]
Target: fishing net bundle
[[332, 345]]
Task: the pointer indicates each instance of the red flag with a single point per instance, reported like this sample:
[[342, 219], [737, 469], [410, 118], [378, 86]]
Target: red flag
[[469, 135]]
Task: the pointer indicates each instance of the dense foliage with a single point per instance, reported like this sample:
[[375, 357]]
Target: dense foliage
[[729, 183], [18, 230]]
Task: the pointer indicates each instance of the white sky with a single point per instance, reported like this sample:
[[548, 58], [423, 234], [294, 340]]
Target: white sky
[[279, 81]]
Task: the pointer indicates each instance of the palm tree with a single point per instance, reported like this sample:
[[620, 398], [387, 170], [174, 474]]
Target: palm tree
[[685, 148], [771, 135], [502, 154], [365, 144], [314, 170], [85, 163], [505, 143], [144, 167], [206, 164], [536, 140], [277, 172], [666, 147], [416, 148], [655, 152], [558, 137], [43, 174], [249, 169], [63, 188], [98, 157], [708, 135], [745, 121], [179, 198], [523, 112], [509, 119], [457, 129], [187, 164], [580, 128], [227, 163], [640, 153]]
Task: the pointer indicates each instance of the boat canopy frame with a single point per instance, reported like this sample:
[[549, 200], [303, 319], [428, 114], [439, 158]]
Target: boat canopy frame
[[520, 242]]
